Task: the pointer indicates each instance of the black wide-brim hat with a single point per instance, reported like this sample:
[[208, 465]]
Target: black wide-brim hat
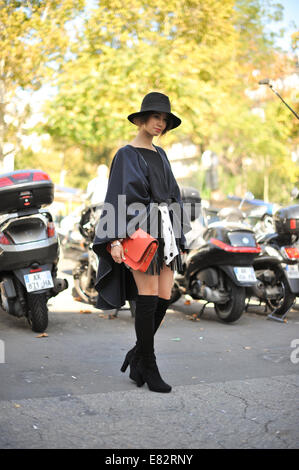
[[156, 102]]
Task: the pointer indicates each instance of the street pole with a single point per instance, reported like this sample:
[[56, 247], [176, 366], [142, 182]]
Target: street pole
[[266, 81]]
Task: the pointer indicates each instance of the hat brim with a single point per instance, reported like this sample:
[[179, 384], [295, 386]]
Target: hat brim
[[174, 119]]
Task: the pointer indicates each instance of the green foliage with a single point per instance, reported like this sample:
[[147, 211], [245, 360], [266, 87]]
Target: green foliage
[[33, 44], [204, 54], [175, 47]]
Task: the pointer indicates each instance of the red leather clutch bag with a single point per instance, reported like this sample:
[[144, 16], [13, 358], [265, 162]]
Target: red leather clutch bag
[[139, 250]]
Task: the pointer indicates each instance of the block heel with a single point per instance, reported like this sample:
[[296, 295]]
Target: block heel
[[125, 365], [148, 371]]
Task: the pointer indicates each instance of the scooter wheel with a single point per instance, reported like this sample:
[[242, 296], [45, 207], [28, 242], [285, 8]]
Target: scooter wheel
[[132, 307], [233, 309], [284, 303], [175, 295], [37, 312], [85, 291]]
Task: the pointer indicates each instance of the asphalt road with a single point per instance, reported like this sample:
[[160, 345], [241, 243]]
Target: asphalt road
[[234, 385]]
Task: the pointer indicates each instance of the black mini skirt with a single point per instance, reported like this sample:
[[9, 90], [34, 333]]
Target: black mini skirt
[[159, 260]]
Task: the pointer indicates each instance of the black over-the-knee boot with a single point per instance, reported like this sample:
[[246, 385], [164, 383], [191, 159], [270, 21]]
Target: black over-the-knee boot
[[161, 309], [147, 369], [133, 356]]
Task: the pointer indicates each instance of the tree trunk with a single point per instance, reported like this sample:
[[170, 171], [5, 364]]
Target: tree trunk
[[2, 122], [2, 110], [266, 177]]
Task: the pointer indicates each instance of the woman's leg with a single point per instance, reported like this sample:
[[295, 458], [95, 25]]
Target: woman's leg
[[160, 285], [155, 284], [164, 294], [145, 369], [165, 282], [146, 304], [146, 284], [147, 287]]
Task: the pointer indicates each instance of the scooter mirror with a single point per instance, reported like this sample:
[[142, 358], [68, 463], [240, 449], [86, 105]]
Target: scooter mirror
[[295, 193], [249, 196]]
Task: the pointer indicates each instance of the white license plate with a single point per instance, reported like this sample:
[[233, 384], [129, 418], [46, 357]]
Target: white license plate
[[292, 271], [38, 281], [245, 274]]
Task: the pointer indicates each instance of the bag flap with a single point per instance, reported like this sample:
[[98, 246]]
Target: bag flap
[[139, 242]]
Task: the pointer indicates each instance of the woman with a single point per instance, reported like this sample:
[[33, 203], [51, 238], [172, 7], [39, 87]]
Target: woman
[[141, 173]]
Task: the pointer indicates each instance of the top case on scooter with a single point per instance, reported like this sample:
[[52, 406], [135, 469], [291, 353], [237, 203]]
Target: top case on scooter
[[25, 189], [286, 220]]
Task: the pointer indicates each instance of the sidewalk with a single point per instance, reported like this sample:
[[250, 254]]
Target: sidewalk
[[256, 413], [234, 386]]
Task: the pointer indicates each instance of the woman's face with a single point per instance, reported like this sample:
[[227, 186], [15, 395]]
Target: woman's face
[[156, 123]]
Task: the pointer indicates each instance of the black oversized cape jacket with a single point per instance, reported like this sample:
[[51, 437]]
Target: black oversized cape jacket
[[130, 182]]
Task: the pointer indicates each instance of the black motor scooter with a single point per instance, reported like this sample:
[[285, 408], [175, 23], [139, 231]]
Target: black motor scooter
[[29, 247], [85, 270], [276, 267], [218, 264]]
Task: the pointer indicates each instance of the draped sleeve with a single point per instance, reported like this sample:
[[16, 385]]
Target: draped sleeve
[[128, 186]]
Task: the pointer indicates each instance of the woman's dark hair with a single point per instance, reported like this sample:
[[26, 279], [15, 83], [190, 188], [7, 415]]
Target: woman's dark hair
[[143, 117]]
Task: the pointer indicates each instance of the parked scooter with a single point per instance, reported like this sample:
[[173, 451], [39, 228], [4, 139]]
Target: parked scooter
[[218, 265], [29, 247], [85, 271], [276, 267]]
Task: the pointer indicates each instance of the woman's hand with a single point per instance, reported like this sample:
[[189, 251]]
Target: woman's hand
[[117, 253]]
